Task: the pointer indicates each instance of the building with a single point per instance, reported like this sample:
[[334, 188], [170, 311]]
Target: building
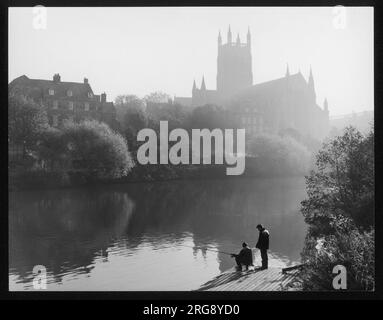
[[66, 101], [287, 103], [363, 121]]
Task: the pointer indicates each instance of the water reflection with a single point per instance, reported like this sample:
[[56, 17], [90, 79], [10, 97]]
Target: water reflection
[[149, 236]]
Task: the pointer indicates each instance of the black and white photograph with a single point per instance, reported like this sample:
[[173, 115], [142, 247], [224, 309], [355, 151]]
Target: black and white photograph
[[191, 149]]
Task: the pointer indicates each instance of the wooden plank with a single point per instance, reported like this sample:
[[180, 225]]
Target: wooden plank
[[243, 282], [272, 279], [298, 266], [273, 282]]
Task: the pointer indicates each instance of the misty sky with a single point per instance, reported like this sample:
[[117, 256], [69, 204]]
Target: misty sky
[[141, 50]]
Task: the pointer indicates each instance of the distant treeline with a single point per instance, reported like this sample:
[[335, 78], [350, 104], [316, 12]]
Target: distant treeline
[[89, 152]]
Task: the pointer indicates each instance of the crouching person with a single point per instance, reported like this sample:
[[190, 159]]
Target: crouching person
[[245, 257]]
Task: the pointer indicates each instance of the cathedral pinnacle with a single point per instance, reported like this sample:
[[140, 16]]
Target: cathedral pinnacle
[[287, 70], [203, 86], [229, 35]]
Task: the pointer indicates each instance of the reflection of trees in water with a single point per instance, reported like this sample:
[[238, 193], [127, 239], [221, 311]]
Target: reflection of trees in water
[[82, 224], [223, 212], [64, 230]]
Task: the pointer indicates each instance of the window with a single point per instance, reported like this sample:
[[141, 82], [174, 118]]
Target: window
[[90, 95], [51, 92], [86, 106], [55, 104], [69, 93], [71, 105]]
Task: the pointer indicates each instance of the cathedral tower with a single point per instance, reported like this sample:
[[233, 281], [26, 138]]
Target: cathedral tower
[[234, 67]]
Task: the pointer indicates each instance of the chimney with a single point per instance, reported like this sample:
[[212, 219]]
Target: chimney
[[103, 97], [56, 77], [86, 80]]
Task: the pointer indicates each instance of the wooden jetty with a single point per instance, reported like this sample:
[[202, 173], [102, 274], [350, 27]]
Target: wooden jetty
[[271, 279]]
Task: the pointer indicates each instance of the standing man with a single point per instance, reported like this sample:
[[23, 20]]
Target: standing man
[[263, 245]]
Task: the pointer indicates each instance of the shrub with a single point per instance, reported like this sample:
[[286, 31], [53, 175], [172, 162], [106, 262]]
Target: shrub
[[99, 150], [353, 249], [279, 155], [339, 211]]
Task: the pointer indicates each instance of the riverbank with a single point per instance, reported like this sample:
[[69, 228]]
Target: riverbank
[[27, 180]]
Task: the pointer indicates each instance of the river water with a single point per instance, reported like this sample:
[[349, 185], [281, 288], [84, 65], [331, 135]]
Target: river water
[[149, 236]]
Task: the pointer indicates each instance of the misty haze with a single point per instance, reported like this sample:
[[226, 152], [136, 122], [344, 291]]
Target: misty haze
[[281, 97]]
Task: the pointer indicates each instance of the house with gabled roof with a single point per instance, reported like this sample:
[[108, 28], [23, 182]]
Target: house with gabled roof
[[66, 101]]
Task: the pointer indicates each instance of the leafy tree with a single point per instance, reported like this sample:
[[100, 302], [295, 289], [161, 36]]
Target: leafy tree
[[347, 246], [90, 146], [98, 149], [339, 211], [157, 97], [26, 121], [343, 183], [278, 155], [52, 149], [293, 133], [210, 117], [174, 113], [132, 117], [134, 121], [309, 142], [128, 103]]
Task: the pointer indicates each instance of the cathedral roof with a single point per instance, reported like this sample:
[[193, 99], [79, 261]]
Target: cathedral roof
[[267, 94], [270, 90], [276, 84]]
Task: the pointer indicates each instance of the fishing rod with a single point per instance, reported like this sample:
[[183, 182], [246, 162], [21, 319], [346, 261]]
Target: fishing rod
[[206, 248]]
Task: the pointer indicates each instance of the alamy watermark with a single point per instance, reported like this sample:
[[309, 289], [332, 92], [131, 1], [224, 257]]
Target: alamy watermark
[[340, 17], [179, 152], [40, 278], [340, 280]]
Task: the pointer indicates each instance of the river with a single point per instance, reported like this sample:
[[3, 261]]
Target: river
[[149, 236]]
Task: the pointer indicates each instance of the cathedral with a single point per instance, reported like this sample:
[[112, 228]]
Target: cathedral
[[286, 103]]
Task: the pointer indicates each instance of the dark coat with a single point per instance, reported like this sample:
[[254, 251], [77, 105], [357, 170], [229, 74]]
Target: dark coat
[[245, 256], [263, 240]]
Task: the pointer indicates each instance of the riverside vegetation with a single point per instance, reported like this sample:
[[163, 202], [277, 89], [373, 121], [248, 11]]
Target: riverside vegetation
[[339, 211], [89, 152], [339, 208]]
